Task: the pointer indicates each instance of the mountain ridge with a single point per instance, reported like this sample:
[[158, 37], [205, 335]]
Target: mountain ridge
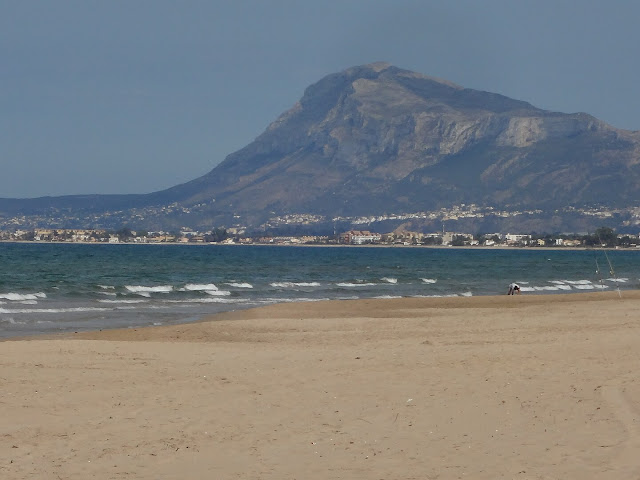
[[376, 139]]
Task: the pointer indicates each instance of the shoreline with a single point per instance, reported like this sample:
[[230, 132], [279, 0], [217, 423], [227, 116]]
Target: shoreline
[[379, 307], [536, 298], [464, 247]]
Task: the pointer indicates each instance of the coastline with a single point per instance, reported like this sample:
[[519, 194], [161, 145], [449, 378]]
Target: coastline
[[332, 245], [528, 386]]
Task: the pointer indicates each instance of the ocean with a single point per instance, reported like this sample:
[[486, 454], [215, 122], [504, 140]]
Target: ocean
[[51, 288]]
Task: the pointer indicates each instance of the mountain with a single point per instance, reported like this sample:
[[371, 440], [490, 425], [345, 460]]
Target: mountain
[[396, 147]]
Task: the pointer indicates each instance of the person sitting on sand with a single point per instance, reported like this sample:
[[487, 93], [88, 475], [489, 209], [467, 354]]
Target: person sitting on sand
[[513, 289]]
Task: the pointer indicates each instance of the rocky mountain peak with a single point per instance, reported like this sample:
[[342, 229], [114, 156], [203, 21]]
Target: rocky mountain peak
[[374, 139]]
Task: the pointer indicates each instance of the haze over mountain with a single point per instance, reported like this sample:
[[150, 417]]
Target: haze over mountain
[[379, 141]]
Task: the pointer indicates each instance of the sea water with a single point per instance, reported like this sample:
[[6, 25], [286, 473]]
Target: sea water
[[48, 288]]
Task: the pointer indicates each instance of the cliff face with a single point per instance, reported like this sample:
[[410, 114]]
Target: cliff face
[[377, 139]]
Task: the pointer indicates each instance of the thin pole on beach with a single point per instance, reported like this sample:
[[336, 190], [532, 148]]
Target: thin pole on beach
[[611, 270]]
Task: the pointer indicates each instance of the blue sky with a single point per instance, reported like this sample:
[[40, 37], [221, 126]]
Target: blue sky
[[140, 95]]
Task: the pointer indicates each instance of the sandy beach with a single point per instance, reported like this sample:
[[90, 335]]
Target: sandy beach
[[522, 387]]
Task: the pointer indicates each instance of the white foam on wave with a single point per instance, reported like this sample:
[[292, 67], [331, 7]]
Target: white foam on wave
[[205, 300], [107, 287], [18, 297], [294, 284], [578, 282], [53, 310], [466, 294], [110, 294], [558, 282], [619, 280], [209, 289], [195, 287], [389, 280], [549, 288], [388, 296], [349, 284], [146, 291], [240, 285], [429, 280], [218, 293]]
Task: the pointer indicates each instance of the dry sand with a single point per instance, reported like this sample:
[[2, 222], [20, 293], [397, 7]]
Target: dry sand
[[523, 387]]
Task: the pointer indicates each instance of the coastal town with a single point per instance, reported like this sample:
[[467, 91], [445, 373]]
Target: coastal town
[[602, 237], [311, 229]]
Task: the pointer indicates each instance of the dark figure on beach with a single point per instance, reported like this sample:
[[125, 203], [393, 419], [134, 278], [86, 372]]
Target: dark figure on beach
[[513, 289]]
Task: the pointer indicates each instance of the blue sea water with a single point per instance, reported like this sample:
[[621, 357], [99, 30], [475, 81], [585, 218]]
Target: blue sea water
[[48, 288]]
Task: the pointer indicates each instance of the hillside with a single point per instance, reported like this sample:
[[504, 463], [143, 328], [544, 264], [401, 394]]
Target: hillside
[[376, 140]]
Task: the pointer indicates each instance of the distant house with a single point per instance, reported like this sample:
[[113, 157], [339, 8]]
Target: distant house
[[448, 237], [359, 237]]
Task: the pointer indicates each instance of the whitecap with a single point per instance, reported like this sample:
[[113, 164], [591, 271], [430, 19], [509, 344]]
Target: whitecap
[[389, 279], [348, 284], [194, 287], [17, 297], [140, 289], [429, 280], [579, 282], [240, 285], [219, 293], [205, 300], [107, 287], [53, 310], [294, 284], [466, 294], [619, 280]]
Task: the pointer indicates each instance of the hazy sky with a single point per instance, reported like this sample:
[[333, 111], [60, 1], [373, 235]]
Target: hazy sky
[[127, 96]]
